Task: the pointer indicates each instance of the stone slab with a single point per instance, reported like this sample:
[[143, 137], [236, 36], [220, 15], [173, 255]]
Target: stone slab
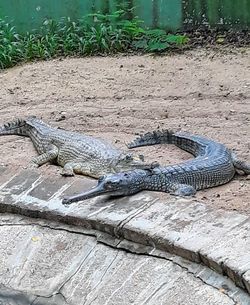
[[246, 279], [191, 228], [22, 181], [128, 279], [12, 297], [234, 249], [39, 259], [183, 227], [44, 264], [5, 174], [47, 188]]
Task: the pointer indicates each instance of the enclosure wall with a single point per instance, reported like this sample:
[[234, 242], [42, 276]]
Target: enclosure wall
[[168, 14]]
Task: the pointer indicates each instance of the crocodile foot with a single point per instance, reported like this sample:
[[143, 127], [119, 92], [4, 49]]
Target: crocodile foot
[[67, 173], [240, 165], [32, 165], [183, 190]]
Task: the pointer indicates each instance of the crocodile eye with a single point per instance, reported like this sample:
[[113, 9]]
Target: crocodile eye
[[101, 178]]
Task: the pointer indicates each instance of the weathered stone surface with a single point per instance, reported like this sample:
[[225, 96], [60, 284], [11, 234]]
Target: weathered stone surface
[[22, 181], [57, 299], [47, 188], [5, 174], [234, 248], [12, 297], [246, 279], [189, 229], [129, 279], [46, 265], [185, 229], [78, 185], [39, 259]]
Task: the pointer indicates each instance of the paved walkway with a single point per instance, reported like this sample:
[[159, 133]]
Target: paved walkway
[[168, 235]]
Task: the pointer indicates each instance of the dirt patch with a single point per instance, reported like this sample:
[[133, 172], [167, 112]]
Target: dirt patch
[[203, 92], [212, 37]]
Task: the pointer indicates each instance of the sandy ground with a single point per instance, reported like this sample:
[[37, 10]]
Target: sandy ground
[[203, 92]]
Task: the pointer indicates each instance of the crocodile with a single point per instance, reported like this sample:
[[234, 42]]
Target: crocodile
[[213, 165], [75, 152]]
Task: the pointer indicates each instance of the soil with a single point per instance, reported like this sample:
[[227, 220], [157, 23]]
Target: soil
[[205, 92]]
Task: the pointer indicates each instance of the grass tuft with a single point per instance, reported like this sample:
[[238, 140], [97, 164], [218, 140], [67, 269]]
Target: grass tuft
[[92, 35]]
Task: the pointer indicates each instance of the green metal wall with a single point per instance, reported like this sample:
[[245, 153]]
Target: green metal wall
[[217, 13], [167, 14]]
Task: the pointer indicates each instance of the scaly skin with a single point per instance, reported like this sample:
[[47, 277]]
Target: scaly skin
[[213, 165], [75, 152]]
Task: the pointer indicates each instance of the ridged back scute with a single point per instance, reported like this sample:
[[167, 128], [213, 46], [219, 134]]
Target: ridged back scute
[[195, 145], [35, 122], [25, 127], [15, 127], [153, 138]]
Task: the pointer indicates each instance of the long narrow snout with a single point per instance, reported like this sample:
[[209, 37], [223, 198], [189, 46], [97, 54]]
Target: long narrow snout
[[96, 191], [120, 184]]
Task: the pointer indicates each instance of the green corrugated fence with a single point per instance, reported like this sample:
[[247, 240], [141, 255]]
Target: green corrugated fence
[[168, 14]]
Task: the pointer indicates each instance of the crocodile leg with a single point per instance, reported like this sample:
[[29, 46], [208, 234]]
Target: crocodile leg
[[182, 190], [68, 169], [241, 165], [72, 168], [48, 156]]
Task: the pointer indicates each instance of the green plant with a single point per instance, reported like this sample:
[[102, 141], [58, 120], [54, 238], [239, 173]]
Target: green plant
[[93, 34], [10, 45], [157, 40]]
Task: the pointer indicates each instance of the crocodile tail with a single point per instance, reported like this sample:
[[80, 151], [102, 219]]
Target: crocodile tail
[[153, 138], [17, 127], [35, 122]]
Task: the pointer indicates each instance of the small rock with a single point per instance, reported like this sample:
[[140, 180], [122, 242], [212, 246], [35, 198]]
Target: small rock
[[11, 91], [61, 118], [165, 114], [21, 103]]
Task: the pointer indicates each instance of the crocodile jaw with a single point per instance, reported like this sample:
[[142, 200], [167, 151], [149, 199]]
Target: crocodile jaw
[[96, 191]]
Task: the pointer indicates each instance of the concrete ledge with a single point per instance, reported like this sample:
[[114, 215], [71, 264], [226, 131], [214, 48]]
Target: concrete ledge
[[246, 279], [216, 238], [48, 263]]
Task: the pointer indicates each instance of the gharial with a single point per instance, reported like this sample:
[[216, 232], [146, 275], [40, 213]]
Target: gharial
[[213, 165], [77, 153]]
